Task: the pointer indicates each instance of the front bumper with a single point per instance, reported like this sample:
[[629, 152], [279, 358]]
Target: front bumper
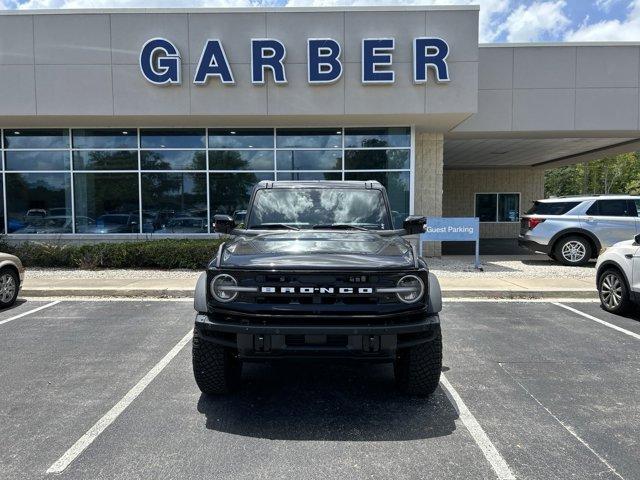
[[355, 339]]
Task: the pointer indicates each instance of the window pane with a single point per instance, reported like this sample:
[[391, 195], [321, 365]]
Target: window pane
[[174, 202], [611, 208], [290, 176], [240, 138], [486, 204], [39, 202], [31, 138], [103, 138], [1, 209], [638, 207], [552, 208], [230, 192], [397, 185], [105, 160], [376, 159], [377, 137], [173, 160], [174, 138], [508, 207], [37, 160], [309, 138], [241, 160], [106, 202], [309, 160]]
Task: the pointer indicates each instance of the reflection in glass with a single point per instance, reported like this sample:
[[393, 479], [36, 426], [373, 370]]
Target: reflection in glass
[[376, 159], [486, 206], [241, 160], [174, 202], [240, 138], [36, 138], [124, 138], [108, 202], [173, 160], [309, 160], [377, 137], [172, 138], [36, 160], [105, 160], [309, 138], [230, 192], [397, 185], [508, 207], [39, 202], [297, 176], [316, 207]]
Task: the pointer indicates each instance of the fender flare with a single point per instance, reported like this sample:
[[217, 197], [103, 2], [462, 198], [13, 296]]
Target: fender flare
[[577, 231], [435, 295], [200, 295], [611, 263]]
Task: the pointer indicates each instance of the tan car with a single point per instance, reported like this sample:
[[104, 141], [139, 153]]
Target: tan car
[[11, 277]]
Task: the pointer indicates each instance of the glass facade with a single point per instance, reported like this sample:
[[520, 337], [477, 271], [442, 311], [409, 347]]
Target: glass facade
[[173, 181]]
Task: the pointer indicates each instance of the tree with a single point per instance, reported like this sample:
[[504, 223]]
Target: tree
[[610, 175]]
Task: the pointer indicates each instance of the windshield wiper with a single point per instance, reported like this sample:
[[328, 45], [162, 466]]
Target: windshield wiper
[[274, 226], [339, 226]]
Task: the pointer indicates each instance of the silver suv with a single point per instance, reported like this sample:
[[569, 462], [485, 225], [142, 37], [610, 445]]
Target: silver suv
[[573, 230]]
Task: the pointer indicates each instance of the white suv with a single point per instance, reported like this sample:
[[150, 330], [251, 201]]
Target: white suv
[[618, 276], [573, 230]]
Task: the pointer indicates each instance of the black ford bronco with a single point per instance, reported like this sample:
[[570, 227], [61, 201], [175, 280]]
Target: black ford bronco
[[318, 271]]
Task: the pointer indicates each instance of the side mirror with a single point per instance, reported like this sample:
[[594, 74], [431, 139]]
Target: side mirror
[[637, 239], [239, 216], [414, 225], [223, 224]]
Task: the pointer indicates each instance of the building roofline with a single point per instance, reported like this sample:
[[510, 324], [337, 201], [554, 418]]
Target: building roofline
[[559, 44], [373, 8]]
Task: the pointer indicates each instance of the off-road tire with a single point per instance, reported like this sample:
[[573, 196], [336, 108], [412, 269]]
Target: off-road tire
[[10, 298], [417, 369], [215, 368], [583, 243], [621, 292]]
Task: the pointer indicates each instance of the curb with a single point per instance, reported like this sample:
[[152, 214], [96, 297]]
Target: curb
[[188, 293]]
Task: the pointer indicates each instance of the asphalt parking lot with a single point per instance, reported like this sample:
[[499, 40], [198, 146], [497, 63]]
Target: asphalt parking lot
[[104, 389]]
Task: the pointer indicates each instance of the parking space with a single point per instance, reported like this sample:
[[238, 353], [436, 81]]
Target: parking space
[[554, 392]]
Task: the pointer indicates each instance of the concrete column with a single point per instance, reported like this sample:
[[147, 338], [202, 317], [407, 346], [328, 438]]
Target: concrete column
[[428, 181]]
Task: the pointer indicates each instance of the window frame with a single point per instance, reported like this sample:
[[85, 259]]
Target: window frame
[[497, 194]]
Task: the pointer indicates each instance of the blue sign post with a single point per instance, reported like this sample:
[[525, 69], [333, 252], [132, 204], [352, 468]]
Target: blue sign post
[[453, 230]]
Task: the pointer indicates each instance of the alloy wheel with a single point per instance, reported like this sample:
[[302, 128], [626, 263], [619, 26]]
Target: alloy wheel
[[7, 288], [574, 251], [611, 291]]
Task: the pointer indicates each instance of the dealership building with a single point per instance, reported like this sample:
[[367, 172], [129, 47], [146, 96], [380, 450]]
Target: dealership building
[[146, 123]]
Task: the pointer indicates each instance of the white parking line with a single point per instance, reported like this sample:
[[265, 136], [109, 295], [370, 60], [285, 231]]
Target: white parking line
[[24, 314], [87, 439], [595, 319], [489, 450], [567, 427]]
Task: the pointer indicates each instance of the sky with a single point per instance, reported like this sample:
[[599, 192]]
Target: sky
[[500, 20]]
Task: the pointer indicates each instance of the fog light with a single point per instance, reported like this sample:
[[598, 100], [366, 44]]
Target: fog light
[[224, 288], [410, 289]]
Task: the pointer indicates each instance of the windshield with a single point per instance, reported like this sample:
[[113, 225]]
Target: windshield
[[301, 208]]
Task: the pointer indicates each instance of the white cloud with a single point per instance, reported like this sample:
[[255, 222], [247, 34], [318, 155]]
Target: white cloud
[[491, 11], [605, 5], [627, 30], [538, 21]]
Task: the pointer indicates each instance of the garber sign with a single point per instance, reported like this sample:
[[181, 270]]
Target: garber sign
[[160, 61]]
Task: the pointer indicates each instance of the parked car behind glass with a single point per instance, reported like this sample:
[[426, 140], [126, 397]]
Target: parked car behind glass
[[573, 230]]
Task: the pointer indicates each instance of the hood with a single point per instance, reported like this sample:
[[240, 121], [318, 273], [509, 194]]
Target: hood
[[318, 249]]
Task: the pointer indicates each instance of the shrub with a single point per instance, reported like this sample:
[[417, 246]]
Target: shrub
[[156, 254]]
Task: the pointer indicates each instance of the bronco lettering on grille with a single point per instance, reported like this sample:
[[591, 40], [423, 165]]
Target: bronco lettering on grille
[[319, 290]]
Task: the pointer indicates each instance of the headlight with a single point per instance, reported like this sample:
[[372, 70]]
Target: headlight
[[224, 288], [410, 289]]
